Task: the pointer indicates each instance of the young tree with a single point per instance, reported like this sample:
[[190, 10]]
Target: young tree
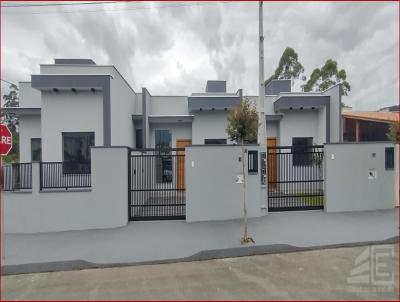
[[242, 128], [394, 133], [10, 100], [289, 66], [326, 77]]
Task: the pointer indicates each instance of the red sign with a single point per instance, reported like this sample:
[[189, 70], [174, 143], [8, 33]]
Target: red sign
[[5, 140]]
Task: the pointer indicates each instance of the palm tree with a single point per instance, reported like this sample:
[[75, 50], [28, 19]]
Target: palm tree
[[242, 128]]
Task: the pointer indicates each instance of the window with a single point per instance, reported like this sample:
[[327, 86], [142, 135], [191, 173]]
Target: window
[[301, 149], [252, 164], [76, 152], [163, 140], [215, 141], [389, 158], [36, 149], [139, 138]]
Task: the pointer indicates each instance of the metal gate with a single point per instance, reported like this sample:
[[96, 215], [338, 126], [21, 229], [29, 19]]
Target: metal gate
[[156, 184], [295, 178]]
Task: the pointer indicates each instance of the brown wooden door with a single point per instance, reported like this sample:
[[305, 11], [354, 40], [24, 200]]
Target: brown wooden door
[[180, 162], [272, 177]]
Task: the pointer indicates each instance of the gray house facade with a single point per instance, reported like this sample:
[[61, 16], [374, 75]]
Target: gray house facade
[[74, 104]]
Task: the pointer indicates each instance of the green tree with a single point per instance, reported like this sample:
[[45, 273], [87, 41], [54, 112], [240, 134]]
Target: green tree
[[394, 132], [289, 66], [242, 128], [326, 77], [11, 120], [10, 100]]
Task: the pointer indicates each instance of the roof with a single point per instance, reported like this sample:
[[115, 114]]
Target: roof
[[373, 116]]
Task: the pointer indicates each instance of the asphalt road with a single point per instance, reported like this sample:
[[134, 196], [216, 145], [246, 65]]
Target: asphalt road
[[366, 272]]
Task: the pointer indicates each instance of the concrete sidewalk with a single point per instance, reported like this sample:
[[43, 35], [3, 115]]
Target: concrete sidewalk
[[160, 241]]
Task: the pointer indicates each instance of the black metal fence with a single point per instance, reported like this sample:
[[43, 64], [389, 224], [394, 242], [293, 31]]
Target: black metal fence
[[17, 176], [65, 175], [295, 178], [157, 184]]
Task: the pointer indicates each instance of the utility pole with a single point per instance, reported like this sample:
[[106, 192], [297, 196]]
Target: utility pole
[[261, 87]]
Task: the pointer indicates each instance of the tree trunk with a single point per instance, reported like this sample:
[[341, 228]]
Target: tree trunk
[[245, 237]]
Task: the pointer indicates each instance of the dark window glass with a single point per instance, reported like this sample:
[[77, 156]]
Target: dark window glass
[[76, 152], [252, 161], [36, 149], [215, 141], [139, 138], [302, 151], [163, 139], [389, 158]]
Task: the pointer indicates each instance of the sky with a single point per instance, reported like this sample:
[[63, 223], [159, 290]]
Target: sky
[[174, 48]]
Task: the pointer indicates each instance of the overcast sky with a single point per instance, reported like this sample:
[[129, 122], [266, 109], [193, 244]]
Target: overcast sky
[[174, 50]]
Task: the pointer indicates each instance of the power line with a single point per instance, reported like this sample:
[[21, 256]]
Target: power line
[[8, 82], [136, 8], [57, 4]]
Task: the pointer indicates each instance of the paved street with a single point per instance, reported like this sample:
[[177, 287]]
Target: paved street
[[318, 274]]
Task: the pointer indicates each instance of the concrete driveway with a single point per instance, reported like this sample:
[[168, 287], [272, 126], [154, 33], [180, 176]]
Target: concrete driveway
[[319, 274]]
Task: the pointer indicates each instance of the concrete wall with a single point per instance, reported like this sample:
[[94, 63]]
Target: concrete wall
[[211, 189], [169, 105], [335, 113], [209, 124], [69, 112], [29, 127], [28, 97], [273, 129], [298, 123], [347, 186], [122, 106], [178, 131], [104, 206]]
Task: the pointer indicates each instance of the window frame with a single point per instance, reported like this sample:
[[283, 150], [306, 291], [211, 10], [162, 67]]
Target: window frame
[[40, 149], [215, 141], [75, 167], [389, 161], [299, 155], [141, 138]]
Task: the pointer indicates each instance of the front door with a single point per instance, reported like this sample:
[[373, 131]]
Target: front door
[[180, 162], [271, 142]]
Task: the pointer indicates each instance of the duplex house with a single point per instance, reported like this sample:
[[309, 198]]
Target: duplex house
[[74, 104]]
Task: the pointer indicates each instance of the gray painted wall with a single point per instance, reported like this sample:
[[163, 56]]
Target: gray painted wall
[[347, 187], [277, 86], [211, 190], [209, 124], [335, 113], [28, 96], [105, 206], [29, 127]]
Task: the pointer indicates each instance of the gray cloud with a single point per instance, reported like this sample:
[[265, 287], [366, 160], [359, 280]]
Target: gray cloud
[[175, 50]]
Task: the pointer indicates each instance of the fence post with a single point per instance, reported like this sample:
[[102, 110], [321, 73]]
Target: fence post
[[36, 177]]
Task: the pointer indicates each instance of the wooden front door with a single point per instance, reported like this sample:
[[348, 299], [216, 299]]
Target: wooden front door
[[272, 177], [180, 162]]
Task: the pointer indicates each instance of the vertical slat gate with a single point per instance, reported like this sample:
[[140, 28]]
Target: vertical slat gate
[[156, 185], [295, 178]]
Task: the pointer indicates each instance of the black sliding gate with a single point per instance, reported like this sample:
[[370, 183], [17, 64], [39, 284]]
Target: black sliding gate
[[295, 178], [156, 184]]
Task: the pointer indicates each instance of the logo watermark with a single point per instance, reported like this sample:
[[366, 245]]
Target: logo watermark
[[374, 267]]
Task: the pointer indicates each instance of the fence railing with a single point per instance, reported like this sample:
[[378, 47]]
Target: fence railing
[[65, 175], [17, 176]]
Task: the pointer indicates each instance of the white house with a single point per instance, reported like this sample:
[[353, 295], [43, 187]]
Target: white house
[[74, 104]]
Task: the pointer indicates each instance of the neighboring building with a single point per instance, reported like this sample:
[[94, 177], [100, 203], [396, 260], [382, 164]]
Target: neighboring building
[[74, 104], [365, 126], [394, 108]]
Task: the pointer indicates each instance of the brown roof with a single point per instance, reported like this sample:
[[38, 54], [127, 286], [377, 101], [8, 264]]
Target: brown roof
[[373, 116]]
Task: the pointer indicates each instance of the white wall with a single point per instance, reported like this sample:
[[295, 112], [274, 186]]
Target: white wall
[[209, 124], [321, 137], [29, 127], [105, 206], [347, 186], [211, 189], [122, 108], [178, 131], [298, 123], [28, 97], [69, 112], [273, 129], [169, 105]]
